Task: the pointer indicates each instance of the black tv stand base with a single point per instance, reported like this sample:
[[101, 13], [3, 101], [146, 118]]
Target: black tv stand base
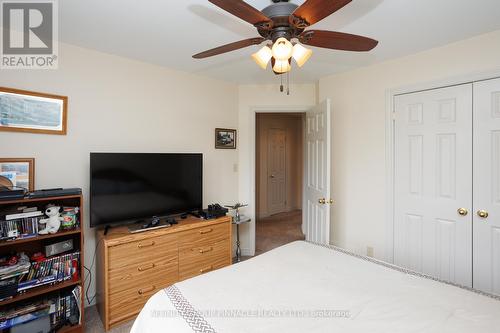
[[106, 229], [185, 215], [195, 214]]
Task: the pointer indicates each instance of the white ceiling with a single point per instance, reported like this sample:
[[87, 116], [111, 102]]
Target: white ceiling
[[167, 32]]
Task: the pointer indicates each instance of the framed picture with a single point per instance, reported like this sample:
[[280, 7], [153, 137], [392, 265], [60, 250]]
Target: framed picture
[[225, 138], [26, 111], [17, 172]]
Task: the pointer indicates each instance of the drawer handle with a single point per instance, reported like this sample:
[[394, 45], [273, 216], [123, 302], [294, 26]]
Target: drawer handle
[[208, 249], [145, 268], [206, 231], [140, 245], [206, 269], [143, 291]]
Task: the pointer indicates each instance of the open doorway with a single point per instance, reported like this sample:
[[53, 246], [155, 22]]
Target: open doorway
[[279, 172]]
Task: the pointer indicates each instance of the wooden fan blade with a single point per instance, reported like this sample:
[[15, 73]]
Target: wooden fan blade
[[245, 12], [313, 11], [337, 40], [229, 47]]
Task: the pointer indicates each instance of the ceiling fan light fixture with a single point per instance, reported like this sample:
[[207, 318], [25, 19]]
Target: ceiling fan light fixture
[[281, 66], [301, 54], [282, 49], [263, 56]]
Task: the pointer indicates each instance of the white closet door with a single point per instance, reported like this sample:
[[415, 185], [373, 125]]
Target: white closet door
[[433, 179], [487, 186]]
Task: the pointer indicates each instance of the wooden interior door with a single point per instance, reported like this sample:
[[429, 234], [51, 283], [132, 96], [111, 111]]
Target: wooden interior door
[[487, 186], [276, 171], [317, 200], [433, 180]]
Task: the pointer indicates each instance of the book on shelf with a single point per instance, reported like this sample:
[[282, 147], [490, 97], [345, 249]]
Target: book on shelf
[[63, 307], [21, 319], [19, 228], [23, 215], [50, 270]]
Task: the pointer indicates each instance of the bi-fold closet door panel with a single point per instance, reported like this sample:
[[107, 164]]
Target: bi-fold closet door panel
[[486, 180], [433, 180]]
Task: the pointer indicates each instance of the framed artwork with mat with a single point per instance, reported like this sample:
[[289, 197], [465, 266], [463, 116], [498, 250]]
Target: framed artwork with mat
[[17, 173]]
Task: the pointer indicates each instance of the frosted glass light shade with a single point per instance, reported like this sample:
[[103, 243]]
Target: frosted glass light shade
[[282, 49], [282, 66], [263, 56], [301, 54]]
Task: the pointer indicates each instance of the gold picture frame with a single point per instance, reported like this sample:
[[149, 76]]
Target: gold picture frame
[[225, 138], [17, 173], [32, 112]]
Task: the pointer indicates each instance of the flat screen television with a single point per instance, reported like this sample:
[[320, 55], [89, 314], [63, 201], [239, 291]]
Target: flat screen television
[[133, 187]]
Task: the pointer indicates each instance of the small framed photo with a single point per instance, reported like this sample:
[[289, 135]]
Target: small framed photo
[[17, 173], [225, 138], [27, 111]]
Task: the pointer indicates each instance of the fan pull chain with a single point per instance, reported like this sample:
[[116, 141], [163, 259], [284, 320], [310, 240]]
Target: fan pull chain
[[288, 83], [281, 80]]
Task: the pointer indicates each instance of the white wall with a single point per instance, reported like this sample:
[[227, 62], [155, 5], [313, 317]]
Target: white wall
[[261, 98], [116, 104], [359, 128]]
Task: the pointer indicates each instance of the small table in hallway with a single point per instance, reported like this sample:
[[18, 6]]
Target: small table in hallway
[[242, 219]]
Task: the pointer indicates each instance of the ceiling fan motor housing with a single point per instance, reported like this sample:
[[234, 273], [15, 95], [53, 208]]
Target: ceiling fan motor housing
[[279, 12]]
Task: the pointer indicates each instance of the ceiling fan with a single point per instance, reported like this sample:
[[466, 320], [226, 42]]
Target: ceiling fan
[[284, 23]]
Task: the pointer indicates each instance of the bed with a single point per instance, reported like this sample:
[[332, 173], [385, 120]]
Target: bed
[[306, 287]]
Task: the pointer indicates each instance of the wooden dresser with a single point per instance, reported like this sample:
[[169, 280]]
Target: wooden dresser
[[132, 267]]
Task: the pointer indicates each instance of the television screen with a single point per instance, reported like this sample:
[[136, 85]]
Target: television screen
[[130, 187]]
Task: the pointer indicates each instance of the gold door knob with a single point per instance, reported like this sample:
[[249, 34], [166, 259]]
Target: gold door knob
[[462, 211], [322, 201], [482, 213], [330, 201]]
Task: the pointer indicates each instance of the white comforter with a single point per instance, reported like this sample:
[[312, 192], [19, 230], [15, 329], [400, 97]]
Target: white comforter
[[302, 287]]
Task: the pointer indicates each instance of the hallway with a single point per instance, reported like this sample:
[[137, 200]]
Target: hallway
[[277, 230]]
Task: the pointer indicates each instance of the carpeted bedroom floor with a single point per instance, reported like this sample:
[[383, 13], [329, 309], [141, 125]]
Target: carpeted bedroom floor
[[277, 230], [93, 323]]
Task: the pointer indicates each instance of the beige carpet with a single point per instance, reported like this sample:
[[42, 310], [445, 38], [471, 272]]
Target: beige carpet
[[93, 323], [277, 230]]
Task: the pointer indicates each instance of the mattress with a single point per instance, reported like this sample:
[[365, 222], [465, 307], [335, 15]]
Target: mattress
[[305, 287]]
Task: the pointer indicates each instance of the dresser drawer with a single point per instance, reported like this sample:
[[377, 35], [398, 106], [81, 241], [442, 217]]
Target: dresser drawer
[[154, 271], [140, 252], [202, 259], [203, 236], [128, 302], [136, 266]]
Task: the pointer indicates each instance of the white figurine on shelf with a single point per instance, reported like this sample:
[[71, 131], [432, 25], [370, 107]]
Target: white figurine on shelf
[[53, 223]]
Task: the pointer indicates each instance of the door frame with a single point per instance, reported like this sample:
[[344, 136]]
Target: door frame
[[390, 96], [253, 136]]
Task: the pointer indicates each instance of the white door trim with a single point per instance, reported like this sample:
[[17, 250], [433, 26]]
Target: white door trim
[[252, 131], [389, 138]]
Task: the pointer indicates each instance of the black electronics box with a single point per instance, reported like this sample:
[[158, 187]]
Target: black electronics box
[[54, 192], [208, 214], [7, 194], [8, 288]]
